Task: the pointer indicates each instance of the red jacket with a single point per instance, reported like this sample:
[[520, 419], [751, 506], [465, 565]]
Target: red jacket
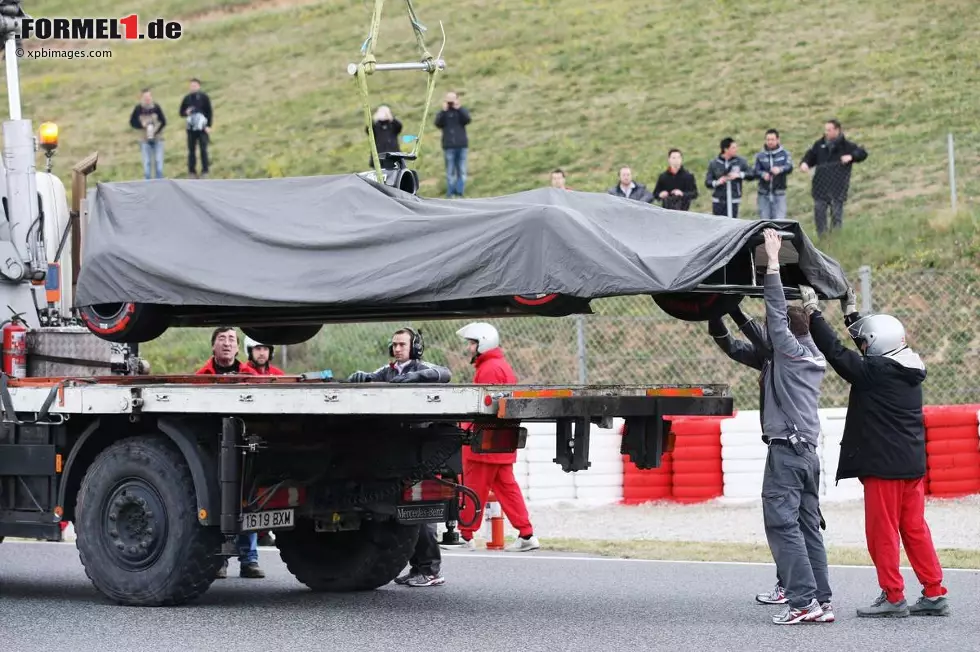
[[239, 367], [492, 368], [268, 370]]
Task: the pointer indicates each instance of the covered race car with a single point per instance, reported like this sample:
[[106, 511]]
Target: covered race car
[[281, 257]]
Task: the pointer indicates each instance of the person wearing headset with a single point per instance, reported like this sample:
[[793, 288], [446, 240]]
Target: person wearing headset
[[406, 349]]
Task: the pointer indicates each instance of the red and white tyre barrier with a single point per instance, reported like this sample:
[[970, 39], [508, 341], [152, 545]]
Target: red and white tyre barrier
[[832, 432], [953, 450], [743, 456], [696, 466]]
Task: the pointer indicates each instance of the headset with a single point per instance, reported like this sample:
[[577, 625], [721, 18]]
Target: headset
[[417, 344]]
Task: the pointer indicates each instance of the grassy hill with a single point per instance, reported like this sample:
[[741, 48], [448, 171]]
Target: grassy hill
[[585, 85]]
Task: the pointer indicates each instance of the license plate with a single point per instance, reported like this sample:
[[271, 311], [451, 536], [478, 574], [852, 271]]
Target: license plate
[[430, 513], [273, 519]]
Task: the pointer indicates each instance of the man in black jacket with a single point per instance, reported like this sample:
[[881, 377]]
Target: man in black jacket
[[724, 179], [629, 188], [406, 349], [196, 107], [676, 187], [884, 447], [452, 120], [831, 158]]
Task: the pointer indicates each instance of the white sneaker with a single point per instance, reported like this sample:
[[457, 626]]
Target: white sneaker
[[523, 545], [462, 545]]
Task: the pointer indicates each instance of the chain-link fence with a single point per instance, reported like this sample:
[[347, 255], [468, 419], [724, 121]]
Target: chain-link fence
[[630, 340]]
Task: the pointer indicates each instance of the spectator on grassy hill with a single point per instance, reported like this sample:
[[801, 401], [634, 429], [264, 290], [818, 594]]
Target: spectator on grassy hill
[[196, 107], [724, 178], [629, 188], [452, 120], [676, 187], [148, 116], [386, 128], [772, 165], [831, 158], [558, 179]]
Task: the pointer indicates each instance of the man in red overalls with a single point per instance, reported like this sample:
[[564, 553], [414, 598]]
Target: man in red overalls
[[485, 471], [260, 358]]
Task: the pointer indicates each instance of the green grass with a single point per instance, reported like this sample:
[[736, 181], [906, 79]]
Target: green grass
[[587, 85]]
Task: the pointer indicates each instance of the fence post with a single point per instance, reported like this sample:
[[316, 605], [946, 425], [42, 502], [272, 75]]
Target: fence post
[[284, 357], [952, 171], [864, 273], [583, 362]]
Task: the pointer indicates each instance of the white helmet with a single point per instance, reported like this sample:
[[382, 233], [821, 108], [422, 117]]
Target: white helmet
[[883, 333], [251, 344], [484, 334]]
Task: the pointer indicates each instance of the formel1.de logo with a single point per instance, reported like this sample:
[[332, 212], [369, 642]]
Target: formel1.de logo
[[126, 28]]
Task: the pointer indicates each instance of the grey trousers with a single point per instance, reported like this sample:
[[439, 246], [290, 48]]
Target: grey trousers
[[772, 207], [791, 511], [820, 214]]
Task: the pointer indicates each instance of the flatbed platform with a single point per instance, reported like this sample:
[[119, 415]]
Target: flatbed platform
[[296, 395]]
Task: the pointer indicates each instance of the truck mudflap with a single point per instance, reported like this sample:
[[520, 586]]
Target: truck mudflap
[[646, 412]]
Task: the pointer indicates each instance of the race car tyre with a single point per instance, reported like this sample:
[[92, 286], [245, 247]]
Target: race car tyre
[[282, 335], [693, 306], [138, 536], [550, 305], [352, 560], [128, 323]]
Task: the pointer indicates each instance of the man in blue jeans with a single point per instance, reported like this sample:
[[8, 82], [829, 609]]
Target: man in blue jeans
[[147, 117], [452, 120]]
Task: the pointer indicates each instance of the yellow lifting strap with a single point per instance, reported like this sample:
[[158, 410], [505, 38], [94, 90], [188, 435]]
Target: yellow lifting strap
[[369, 65]]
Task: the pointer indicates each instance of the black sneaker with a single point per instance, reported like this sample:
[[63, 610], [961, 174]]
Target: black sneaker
[[924, 606], [882, 608]]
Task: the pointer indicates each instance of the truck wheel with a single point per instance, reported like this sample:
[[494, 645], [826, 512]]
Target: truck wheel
[[127, 323], [356, 560], [693, 306], [282, 335], [137, 531]]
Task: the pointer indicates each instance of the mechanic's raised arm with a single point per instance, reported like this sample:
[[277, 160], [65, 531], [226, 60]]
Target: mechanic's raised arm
[[742, 352], [848, 364], [777, 321], [752, 330]]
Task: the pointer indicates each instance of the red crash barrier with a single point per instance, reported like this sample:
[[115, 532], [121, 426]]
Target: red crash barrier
[[952, 450]]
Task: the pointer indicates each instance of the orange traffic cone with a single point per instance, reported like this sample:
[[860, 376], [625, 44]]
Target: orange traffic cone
[[496, 517]]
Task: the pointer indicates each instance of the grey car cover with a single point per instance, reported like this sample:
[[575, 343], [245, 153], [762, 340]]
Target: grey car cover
[[344, 240]]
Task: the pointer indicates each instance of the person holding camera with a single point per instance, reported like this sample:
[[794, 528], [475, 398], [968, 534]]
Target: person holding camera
[[387, 128], [148, 117], [452, 120]]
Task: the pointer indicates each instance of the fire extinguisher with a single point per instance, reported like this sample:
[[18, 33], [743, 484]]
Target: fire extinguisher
[[15, 348]]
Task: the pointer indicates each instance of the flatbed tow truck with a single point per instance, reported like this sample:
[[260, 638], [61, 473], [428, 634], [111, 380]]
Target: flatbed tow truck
[[158, 473]]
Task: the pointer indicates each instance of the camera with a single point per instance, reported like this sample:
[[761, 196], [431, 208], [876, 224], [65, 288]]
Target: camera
[[394, 172]]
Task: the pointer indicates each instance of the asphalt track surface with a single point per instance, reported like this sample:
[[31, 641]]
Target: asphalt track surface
[[492, 601]]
